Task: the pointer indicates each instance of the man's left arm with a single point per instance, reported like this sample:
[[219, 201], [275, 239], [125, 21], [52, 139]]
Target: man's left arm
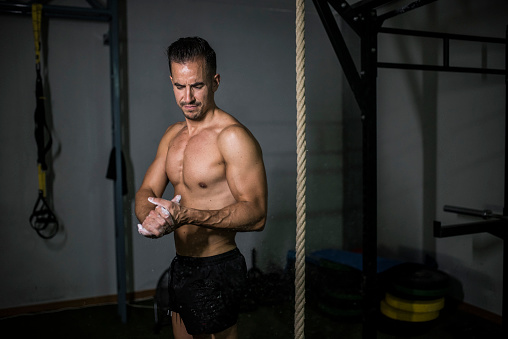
[[246, 177]]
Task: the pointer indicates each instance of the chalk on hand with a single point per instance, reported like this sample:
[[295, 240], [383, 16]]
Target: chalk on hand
[[176, 200], [165, 212], [143, 231]]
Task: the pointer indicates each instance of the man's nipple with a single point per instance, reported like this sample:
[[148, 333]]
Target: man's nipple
[[202, 185]]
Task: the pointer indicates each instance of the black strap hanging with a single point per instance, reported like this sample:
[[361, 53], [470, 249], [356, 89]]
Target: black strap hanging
[[42, 219], [40, 122]]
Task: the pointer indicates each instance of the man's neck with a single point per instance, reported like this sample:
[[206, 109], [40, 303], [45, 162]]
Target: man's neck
[[195, 126]]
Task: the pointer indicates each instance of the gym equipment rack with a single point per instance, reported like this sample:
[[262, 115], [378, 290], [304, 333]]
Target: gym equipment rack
[[109, 13], [363, 19]]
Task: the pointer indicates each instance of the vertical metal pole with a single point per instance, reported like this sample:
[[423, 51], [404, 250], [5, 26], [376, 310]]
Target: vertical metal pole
[[504, 308], [369, 112], [446, 52], [117, 142], [505, 206]]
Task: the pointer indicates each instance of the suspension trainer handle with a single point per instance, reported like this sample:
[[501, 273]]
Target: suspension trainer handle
[[42, 219]]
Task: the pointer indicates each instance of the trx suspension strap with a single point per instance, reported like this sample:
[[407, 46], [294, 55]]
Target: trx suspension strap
[[42, 219]]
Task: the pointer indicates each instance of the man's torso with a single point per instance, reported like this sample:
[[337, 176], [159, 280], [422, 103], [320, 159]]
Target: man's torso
[[196, 168]]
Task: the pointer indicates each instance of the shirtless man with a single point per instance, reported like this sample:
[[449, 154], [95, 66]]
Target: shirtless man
[[216, 168]]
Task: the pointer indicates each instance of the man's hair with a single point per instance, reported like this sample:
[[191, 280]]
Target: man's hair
[[188, 49]]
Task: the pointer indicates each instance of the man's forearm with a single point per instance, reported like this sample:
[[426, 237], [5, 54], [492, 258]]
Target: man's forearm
[[238, 217], [143, 206]]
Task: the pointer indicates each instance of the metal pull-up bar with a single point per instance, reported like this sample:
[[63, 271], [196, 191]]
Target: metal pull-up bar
[[98, 13], [446, 38]]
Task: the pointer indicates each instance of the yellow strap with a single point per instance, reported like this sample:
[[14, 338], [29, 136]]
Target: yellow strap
[[42, 180], [36, 23]]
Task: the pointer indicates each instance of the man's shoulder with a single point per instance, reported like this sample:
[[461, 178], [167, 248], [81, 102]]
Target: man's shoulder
[[233, 128], [172, 132], [174, 129], [235, 133]]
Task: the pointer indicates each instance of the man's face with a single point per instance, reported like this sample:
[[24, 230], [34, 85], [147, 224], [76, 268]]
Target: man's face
[[194, 89]]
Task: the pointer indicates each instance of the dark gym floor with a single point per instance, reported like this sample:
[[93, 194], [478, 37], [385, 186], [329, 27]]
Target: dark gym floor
[[268, 312], [274, 320]]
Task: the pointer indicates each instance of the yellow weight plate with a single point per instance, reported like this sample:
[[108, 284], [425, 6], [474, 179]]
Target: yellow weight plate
[[394, 313], [419, 306]]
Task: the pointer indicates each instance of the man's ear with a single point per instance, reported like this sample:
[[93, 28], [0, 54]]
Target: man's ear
[[216, 82]]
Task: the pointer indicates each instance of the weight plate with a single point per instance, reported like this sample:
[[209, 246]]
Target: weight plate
[[417, 276], [418, 306], [341, 299], [341, 294], [414, 293], [340, 312], [396, 314], [320, 277]]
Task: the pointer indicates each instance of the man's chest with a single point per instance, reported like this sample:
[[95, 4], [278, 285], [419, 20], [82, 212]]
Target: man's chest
[[195, 161]]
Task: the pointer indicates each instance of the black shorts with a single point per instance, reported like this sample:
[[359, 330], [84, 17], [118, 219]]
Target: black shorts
[[207, 291]]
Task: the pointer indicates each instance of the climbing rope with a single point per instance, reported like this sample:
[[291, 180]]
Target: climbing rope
[[301, 159]]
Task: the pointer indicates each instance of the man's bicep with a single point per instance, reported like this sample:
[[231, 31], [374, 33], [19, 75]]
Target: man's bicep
[[152, 185], [245, 169], [156, 178]]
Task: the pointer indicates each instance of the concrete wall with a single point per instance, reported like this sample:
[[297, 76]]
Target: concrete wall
[[255, 43]]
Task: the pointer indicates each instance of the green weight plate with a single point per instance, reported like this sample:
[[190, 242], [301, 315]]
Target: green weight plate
[[339, 312], [416, 294], [323, 277]]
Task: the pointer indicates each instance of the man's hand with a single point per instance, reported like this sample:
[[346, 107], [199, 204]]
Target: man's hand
[[159, 222]]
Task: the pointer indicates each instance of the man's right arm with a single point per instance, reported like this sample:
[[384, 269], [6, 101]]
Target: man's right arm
[[155, 180]]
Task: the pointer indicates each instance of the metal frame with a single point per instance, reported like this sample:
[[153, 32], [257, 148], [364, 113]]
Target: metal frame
[[363, 19], [97, 12]]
